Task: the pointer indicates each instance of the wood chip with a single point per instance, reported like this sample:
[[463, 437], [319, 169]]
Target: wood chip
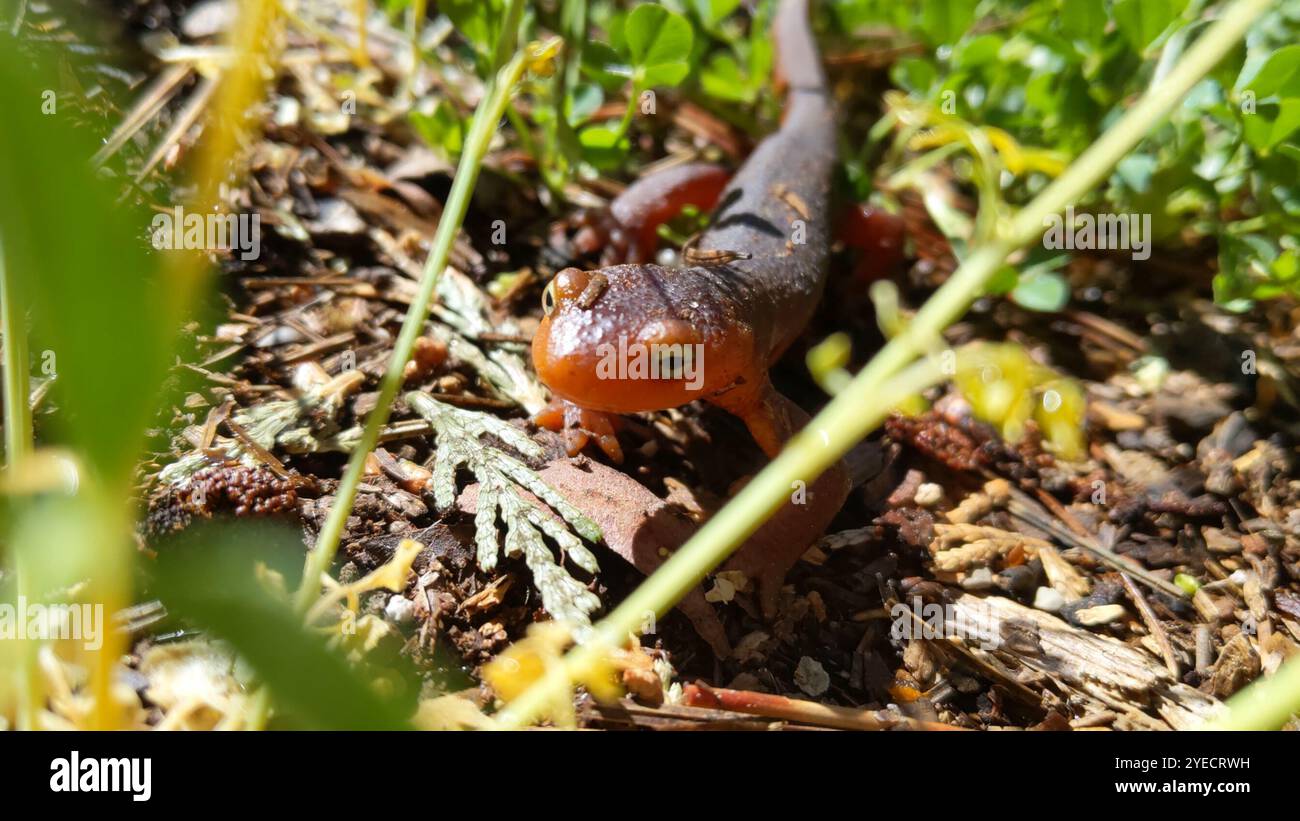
[[995, 494], [1238, 664], [1123, 678], [1061, 574]]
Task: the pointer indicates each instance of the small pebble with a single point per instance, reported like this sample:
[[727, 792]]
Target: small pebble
[[811, 677], [978, 580], [1101, 614], [1021, 580], [399, 610], [928, 495], [1048, 599]]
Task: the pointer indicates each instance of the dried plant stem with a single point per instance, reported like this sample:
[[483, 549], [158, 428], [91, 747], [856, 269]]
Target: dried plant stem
[[866, 400], [483, 126], [805, 712]]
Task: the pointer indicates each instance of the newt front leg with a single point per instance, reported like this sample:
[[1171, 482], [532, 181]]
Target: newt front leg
[[767, 556], [581, 425]]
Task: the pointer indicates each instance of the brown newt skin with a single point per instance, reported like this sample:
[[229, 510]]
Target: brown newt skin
[[631, 226], [761, 272]]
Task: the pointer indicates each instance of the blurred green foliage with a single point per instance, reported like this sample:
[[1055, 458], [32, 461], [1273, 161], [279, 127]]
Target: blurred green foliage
[[79, 258], [207, 575], [102, 323], [1057, 73], [706, 46]]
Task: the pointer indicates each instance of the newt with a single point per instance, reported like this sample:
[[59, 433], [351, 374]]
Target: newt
[[641, 337]]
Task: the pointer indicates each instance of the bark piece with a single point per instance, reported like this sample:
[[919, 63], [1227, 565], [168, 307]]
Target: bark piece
[[1120, 676]]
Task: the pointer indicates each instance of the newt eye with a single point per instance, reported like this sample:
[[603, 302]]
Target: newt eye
[[548, 298], [672, 362]]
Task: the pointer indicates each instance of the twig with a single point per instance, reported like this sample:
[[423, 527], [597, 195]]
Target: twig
[[1123, 677], [188, 116], [807, 712], [215, 417], [260, 453], [149, 104], [1154, 627], [1026, 509]]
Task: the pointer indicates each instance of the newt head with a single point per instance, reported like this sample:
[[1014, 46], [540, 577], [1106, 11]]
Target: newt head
[[633, 338]]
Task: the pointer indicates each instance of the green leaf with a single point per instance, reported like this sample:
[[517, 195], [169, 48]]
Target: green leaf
[[1292, 151], [977, 51], [712, 12], [1142, 21], [616, 31], [442, 129], [1257, 125], [1288, 120], [1136, 171], [478, 21], [1280, 71], [583, 102], [914, 75], [604, 147], [1045, 291], [1229, 68], [1003, 281], [1271, 123], [603, 64], [1083, 19], [1244, 265], [659, 42], [721, 78], [666, 75], [945, 21], [207, 574], [1286, 268]]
